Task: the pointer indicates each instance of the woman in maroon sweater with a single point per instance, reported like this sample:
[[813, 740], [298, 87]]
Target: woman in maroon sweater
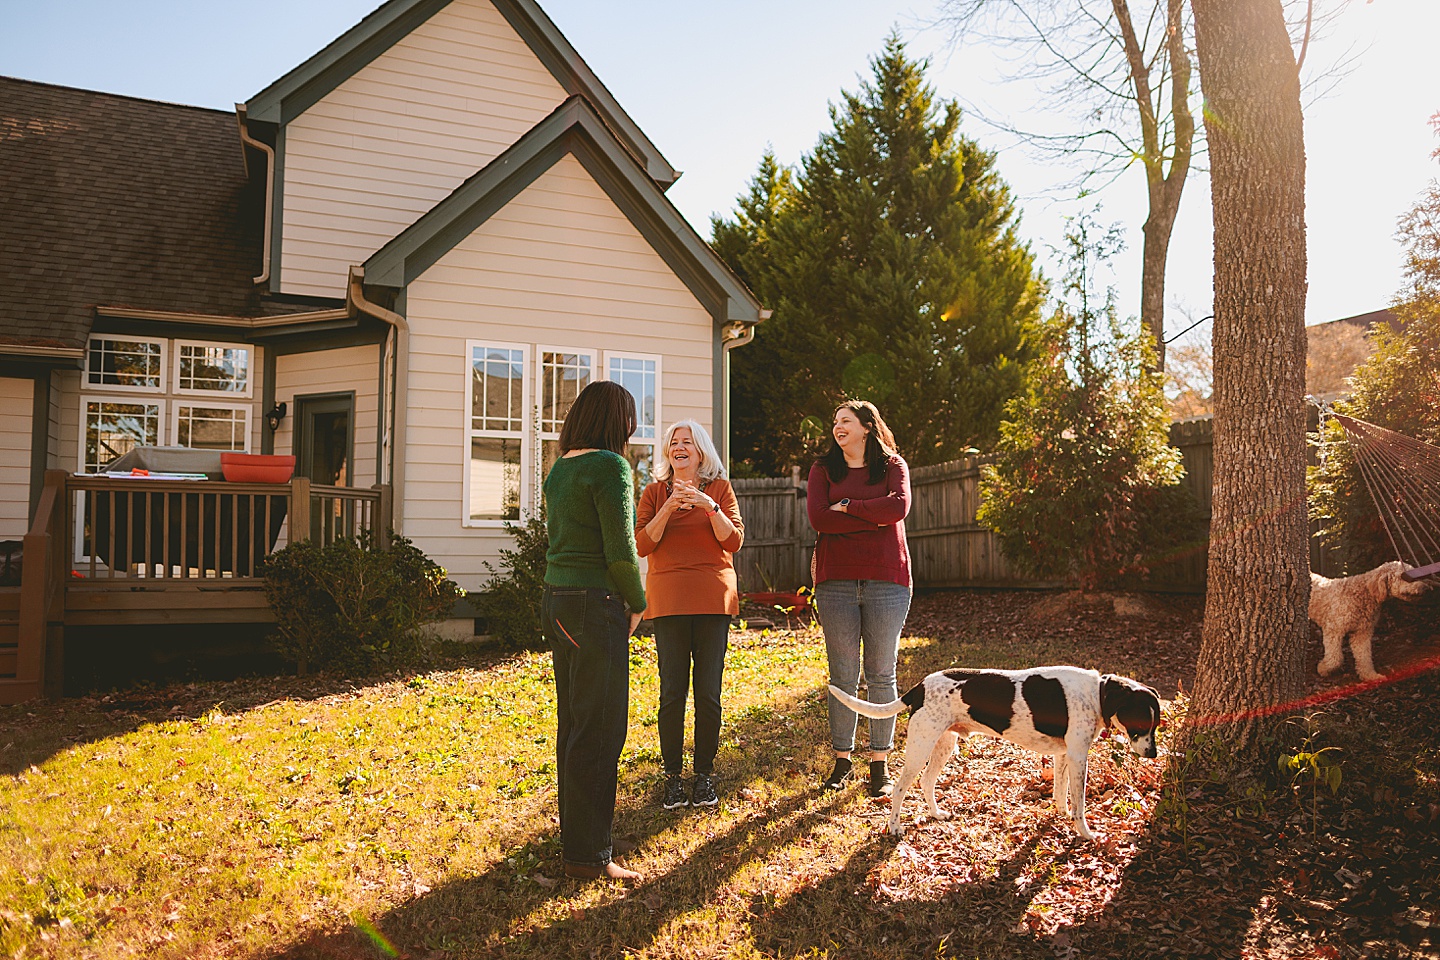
[[857, 500]]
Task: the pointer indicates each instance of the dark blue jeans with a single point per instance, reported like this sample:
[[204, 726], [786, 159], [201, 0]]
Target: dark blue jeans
[[588, 633], [681, 641]]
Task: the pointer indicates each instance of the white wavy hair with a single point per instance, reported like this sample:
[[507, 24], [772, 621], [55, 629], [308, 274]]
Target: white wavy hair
[[711, 466]]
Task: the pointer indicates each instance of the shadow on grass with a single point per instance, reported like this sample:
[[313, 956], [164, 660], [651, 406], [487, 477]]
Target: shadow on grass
[[31, 733], [507, 912]]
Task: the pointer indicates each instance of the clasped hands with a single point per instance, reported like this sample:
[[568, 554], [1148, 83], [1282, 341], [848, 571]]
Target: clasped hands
[[686, 496]]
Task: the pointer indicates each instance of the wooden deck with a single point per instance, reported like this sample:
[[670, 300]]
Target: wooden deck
[[109, 552]]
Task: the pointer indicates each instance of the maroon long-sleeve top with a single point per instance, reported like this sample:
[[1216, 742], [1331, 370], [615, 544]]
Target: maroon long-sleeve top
[[868, 541]]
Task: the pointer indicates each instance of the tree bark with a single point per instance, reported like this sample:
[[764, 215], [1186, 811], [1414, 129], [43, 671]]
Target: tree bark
[[1253, 644]]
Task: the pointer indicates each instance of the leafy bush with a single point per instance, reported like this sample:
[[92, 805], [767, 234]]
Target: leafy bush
[[1085, 486], [511, 600], [347, 606]]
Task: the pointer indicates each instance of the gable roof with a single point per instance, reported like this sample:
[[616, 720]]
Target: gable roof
[[343, 57], [120, 201], [575, 128]]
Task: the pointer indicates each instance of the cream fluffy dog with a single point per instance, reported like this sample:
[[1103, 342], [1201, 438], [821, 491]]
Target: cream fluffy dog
[[1351, 605]]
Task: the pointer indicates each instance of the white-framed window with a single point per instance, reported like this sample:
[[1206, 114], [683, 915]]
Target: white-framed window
[[119, 362], [210, 426], [211, 369], [562, 373], [497, 405], [112, 426], [640, 374]]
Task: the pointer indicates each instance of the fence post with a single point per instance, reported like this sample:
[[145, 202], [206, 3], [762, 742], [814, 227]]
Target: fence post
[[384, 512], [299, 509]]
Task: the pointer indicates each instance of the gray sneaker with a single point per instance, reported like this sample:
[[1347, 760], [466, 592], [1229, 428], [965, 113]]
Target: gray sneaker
[[702, 792], [674, 793]]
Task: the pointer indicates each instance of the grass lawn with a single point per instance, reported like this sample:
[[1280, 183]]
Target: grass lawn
[[414, 817]]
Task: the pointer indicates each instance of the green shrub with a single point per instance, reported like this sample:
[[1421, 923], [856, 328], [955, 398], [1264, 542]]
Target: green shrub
[[346, 606], [1084, 486], [510, 602]]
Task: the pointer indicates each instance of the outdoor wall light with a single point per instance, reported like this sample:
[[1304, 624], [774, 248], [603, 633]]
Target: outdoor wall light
[[276, 414]]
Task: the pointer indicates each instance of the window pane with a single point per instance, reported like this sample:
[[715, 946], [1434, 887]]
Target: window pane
[[494, 479], [222, 369], [642, 463], [562, 377], [638, 376], [212, 428], [125, 363], [498, 379], [114, 429]]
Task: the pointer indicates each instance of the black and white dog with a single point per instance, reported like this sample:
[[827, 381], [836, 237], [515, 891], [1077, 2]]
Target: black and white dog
[[1054, 710]]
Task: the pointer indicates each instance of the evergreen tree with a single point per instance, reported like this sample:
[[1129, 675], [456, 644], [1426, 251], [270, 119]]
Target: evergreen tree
[[895, 275]]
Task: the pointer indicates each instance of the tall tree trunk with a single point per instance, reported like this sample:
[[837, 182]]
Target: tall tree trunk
[[1253, 643], [1163, 188], [1154, 254]]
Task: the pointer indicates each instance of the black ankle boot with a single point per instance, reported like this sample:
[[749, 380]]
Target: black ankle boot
[[880, 785], [838, 776]]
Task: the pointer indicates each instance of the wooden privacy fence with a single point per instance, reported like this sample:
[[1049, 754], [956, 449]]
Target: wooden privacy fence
[[948, 547]]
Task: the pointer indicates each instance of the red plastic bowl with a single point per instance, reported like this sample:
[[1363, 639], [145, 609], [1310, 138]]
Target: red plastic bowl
[[257, 467]]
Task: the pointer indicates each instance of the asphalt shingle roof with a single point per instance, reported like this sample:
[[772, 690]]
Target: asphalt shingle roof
[[117, 201]]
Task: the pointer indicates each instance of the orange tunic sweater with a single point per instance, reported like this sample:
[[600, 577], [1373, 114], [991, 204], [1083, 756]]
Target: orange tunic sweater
[[690, 570]]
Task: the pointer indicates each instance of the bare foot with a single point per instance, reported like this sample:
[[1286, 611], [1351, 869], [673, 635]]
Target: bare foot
[[609, 871]]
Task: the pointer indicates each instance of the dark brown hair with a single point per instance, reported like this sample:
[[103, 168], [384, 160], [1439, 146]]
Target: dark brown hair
[[603, 417], [879, 443]]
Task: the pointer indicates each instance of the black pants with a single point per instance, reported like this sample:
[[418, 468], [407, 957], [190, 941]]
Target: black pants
[[588, 631], [681, 641]]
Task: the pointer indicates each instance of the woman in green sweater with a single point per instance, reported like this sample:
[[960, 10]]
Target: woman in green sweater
[[592, 604]]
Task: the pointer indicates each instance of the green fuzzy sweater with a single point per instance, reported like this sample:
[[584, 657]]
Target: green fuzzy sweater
[[590, 515]]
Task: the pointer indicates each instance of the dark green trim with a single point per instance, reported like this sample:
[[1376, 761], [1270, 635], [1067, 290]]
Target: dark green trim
[[277, 210], [223, 333], [311, 81], [574, 74], [301, 342], [381, 408], [39, 436], [340, 60], [575, 128], [267, 401]]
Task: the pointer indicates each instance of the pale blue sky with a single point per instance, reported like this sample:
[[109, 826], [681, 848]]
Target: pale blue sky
[[712, 84]]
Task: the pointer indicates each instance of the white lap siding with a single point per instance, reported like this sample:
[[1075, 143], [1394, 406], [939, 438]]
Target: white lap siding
[[17, 405], [397, 137], [559, 266]]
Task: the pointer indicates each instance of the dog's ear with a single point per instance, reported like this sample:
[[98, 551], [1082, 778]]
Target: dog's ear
[[1113, 694]]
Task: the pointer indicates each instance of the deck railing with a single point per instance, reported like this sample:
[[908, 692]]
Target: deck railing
[[176, 530], [113, 550]]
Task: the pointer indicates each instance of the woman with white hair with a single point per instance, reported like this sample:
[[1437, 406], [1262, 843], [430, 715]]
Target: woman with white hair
[[688, 525]]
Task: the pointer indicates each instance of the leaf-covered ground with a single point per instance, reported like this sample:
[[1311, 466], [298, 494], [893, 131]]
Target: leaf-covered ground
[[413, 816]]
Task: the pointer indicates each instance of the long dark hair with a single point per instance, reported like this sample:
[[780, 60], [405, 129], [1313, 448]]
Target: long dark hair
[[879, 443], [602, 416]]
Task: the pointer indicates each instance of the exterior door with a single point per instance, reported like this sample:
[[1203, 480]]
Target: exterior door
[[324, 452]]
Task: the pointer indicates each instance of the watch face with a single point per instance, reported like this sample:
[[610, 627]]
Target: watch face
[[844, 501]]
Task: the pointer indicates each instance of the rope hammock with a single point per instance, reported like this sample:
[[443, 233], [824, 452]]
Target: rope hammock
[[1403, 477]]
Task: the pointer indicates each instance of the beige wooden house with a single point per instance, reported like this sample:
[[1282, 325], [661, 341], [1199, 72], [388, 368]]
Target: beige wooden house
[[399, 262]]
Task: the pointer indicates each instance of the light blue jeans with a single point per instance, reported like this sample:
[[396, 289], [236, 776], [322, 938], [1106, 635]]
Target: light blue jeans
[[862, 621]]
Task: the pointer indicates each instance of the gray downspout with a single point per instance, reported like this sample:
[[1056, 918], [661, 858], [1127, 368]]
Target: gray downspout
[[402, 377]]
